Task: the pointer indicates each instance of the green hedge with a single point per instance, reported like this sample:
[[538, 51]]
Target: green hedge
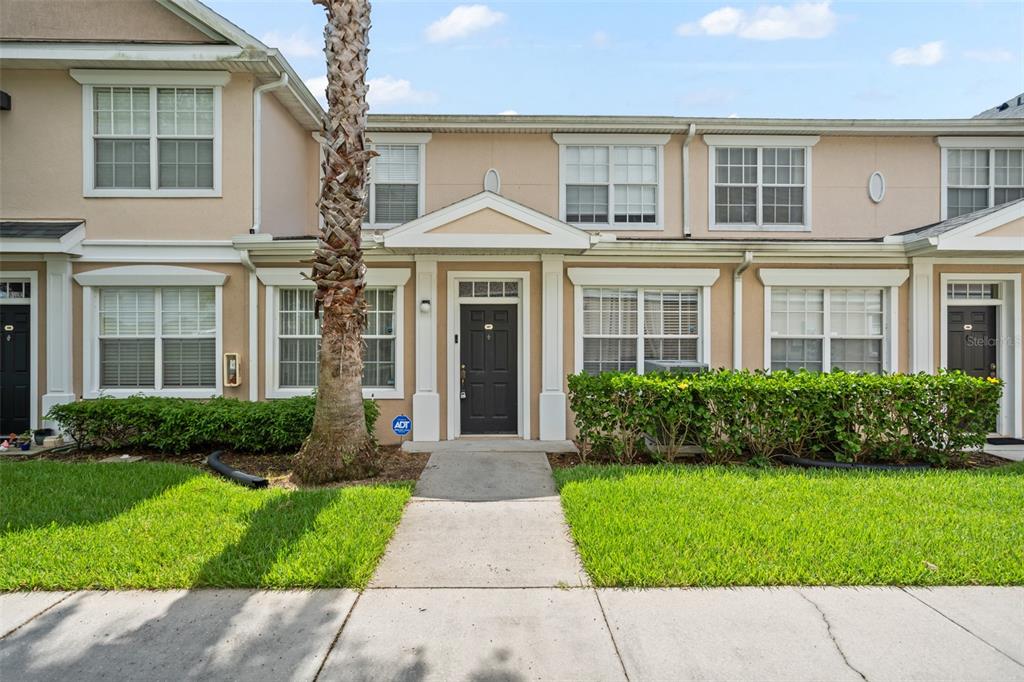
[[846, 417], [177, 425]]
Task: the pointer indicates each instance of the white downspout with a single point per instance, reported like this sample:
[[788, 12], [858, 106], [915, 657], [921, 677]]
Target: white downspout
[[257, 149], [737, 309], [254, 345], [686, 178]]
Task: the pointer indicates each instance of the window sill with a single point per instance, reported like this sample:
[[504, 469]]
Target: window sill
[[616, 227], [152, 193], [368, 393], [715, 227], [196, 393]]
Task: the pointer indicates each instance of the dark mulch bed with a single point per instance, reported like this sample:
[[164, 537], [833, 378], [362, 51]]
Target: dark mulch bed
[[395, 464], [564, 460]]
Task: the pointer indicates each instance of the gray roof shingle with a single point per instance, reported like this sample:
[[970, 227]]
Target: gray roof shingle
[[935, 229], [1011, 108], [35, 229]]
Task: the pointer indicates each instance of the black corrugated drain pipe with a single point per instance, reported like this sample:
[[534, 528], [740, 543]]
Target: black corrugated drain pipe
[[230, 473]]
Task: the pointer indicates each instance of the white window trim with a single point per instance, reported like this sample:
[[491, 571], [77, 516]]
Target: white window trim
[[1008, 363], [420, 139], [91, 346], [890, 322], [91, 78], [572, 139], [645, 278], [760, 142], [984, 143], [32, 277], [275, 279]]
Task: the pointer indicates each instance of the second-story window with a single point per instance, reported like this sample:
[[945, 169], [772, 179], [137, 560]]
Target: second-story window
[[759, 182], [979, 178], [613, 181], [151, 139], [395, 185]]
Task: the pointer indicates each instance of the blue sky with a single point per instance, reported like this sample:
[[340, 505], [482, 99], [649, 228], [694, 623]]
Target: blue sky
[[803, 59]]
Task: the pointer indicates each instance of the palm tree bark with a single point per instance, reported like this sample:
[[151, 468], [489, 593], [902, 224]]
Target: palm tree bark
[[339, 446]]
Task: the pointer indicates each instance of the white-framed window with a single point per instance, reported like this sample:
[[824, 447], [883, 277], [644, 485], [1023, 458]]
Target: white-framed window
[[640, 329], [295, 342], [975, 179], [759, 182], [611, 181], [395, 188], [149, 134], [154, 338], [821, 329]]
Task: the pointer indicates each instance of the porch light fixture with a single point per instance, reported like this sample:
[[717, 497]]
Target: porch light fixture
[[425, 306]]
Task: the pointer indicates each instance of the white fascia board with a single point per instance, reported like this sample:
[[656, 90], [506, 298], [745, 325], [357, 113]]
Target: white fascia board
[[761, 140], [696, 277], [980, 142], [206, 20], [296, 277], [611, 138], [399, 138], [158, 251], [150, 77], [128, 53], [793, 277], [150, 275]]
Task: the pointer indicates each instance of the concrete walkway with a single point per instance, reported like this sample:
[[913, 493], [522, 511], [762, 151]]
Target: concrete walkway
[[481, 582]]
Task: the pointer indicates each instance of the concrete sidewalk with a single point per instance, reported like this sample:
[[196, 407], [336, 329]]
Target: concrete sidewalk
[[481, 582], [970, 633]]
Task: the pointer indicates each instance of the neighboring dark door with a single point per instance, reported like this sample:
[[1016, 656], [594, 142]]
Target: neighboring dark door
[[489, 369], [972, 340], [15, 369]]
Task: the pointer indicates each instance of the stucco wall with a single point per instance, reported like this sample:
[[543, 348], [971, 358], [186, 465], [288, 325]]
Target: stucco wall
[[290, 173], [41, 167], [840, 205], [94, 21], [1014, 228]]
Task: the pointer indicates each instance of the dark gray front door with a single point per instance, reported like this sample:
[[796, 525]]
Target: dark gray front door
[[489, 372], [15, 369], [972, 340]]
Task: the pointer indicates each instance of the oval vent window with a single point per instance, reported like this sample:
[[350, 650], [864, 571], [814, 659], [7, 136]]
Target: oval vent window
[[492, 181], [876, 187]]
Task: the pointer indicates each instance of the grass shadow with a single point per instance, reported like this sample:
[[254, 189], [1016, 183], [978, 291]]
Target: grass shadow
[[40, 494]]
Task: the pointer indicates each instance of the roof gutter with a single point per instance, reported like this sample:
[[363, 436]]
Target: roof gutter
[[257, 148], [690, 132]]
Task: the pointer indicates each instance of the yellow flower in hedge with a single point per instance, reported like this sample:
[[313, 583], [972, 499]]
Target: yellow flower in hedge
[[992, 380], [684, 385]]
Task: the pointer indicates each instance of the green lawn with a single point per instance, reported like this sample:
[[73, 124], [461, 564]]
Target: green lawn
[[150, 525], [713, 526]]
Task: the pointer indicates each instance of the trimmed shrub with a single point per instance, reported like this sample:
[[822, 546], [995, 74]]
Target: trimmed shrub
[[177, 425], [895, 418]]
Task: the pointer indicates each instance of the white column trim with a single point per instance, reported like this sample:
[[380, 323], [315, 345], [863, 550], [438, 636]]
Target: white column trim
[[552, 397], [426, 401], [59, 352], [922, 336]]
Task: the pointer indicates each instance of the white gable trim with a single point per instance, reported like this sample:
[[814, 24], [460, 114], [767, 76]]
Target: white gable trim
[[674, 277], [967, 237], [557, 235]]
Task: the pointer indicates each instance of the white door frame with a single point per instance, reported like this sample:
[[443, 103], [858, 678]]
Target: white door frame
[[1008, 363], [33, 322], [522, 303]]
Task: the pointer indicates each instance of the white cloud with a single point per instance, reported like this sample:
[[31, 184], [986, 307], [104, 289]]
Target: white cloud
[[600, 39], [384, 91], [926, 54], [294, 46], [462, 21], [807, 20], [388, 90], [990, 56], [508, 112]]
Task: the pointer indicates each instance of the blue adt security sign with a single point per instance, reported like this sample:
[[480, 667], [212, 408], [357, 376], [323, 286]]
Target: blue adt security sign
[[401, 425]]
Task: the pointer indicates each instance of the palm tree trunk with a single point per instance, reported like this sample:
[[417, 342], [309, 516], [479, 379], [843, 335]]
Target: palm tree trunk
[[339, 446]]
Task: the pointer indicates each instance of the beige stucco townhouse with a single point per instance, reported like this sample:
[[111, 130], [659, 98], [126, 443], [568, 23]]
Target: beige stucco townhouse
[[158, 168]]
